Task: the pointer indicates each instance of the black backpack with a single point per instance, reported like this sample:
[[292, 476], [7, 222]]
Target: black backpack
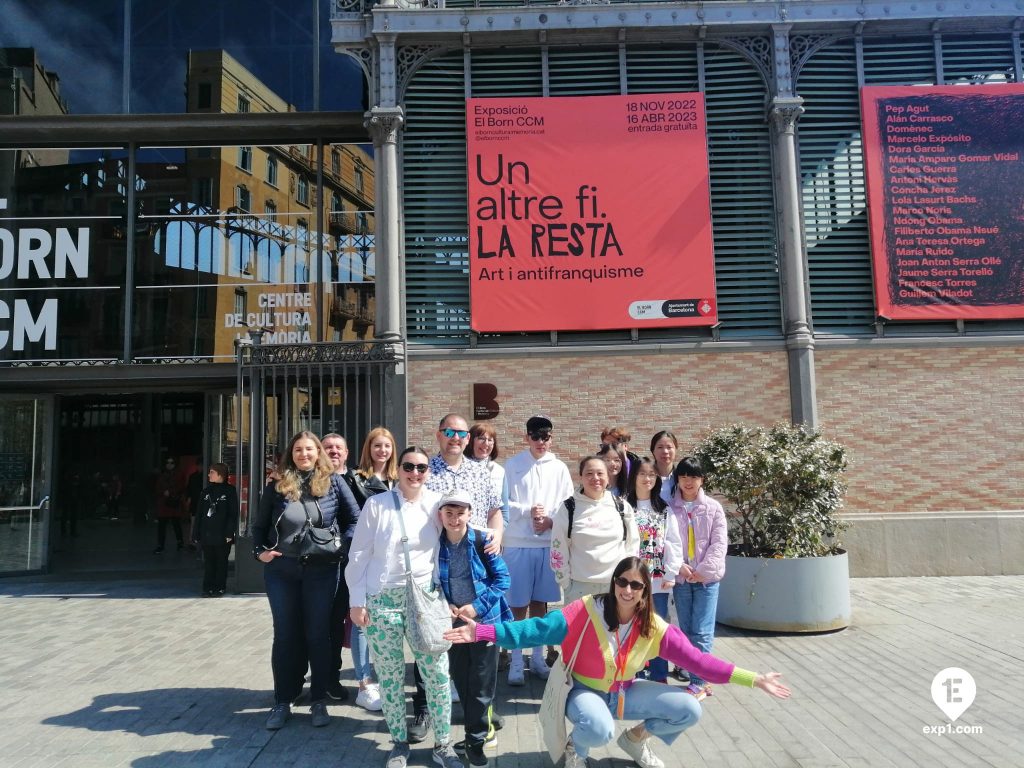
[[620, 507]]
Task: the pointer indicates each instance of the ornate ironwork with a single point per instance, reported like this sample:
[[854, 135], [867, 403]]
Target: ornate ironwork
[[758, 50], [341, 352], [351, 6], [803, 47], [411, 58]]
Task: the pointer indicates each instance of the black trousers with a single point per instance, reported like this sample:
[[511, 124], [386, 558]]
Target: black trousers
[[474, 670], [300, 603], [215, 567], [339, 612], [161, 531], [419, 696]]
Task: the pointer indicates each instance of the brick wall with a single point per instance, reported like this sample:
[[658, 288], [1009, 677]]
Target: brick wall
[[582, 393], [927, 429]]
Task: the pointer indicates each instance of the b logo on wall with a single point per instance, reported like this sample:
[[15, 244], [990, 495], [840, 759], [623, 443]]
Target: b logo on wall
[[589, 213], [946, 200]]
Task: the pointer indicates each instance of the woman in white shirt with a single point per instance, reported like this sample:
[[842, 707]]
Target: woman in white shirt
[[590, 533], [376, 582]]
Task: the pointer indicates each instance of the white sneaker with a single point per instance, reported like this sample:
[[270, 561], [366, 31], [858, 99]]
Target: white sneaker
[[455, 693], [572, 760], [640, 751], [515, 671], [538, 666], [369, 698]]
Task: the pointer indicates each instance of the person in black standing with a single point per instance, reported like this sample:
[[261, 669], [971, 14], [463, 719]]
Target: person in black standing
[[216, 516]]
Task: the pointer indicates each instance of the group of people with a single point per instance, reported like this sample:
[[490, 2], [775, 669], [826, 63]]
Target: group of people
[[500, 543]]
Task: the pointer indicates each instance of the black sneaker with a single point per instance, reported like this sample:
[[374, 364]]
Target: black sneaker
[[319, 713], [419, 728], [475, 754], [279, 715], [498, 721], [337, 692]]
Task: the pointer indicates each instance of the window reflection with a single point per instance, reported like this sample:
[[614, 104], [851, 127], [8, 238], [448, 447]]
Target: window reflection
[[84, 44]]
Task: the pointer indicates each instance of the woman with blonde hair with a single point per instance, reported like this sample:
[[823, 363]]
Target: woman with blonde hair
[[378, 465], [307, 493]]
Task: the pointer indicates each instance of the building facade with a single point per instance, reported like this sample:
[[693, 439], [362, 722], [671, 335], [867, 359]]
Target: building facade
[[219, 204], [917, 403]]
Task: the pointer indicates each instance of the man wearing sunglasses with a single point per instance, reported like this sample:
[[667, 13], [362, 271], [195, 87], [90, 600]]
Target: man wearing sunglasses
[[538, 483], [451, 472]]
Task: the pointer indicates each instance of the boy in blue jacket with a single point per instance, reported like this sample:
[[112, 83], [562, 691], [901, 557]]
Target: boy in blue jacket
[[474, 584]]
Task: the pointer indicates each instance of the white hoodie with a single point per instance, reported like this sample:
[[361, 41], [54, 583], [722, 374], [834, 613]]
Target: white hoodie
[[533, 481]]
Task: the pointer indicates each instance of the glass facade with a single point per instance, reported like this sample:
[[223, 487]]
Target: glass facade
[[138, 56], [222, 238]]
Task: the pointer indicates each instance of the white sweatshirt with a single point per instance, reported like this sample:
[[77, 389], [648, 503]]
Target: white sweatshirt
[[533, 481], [377, 558], [596, 545]]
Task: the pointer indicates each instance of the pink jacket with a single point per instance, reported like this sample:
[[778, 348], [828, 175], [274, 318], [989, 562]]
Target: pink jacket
[[710, 533]]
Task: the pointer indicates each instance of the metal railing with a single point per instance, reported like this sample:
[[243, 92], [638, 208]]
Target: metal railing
[[10, 512]]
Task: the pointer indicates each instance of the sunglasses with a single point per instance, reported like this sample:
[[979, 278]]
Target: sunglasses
[[542, 437], [462, 434], [622, 583], [408, 466]]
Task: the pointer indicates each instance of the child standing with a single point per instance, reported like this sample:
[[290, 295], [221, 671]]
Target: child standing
[[474, 583], [704, 539]]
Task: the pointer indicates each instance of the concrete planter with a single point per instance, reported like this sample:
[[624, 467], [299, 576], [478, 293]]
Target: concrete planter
[[803, 594]]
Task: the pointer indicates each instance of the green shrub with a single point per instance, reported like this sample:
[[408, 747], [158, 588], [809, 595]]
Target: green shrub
[[786, 484]]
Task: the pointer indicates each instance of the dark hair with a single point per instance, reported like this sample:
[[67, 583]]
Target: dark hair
[[644, 608], [592, 457], [657, 502], [620, 481], [476, 431], [664, 433], [440, 424], [688, 467], [411, 449], [221, 469]]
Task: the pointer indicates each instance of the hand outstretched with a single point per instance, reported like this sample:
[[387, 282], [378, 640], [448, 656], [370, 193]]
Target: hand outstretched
[[771, 683], [464, 634]]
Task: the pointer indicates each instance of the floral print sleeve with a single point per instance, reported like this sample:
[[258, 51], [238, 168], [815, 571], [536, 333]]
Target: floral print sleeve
[[559, 557]]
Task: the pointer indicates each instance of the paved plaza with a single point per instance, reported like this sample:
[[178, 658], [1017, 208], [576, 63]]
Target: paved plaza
[[99, 672]]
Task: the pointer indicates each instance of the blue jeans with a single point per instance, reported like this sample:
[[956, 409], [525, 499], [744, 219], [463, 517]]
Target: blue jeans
[[696, 606], [360, 654], [665, 710], [300, 602], [657, 667]]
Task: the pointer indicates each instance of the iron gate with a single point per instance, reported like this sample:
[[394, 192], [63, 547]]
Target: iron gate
[[346, 387]]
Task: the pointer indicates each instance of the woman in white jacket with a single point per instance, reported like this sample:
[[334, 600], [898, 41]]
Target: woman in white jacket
[[591, 532]]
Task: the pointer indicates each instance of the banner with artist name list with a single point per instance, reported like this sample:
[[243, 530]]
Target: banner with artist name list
[[589, 213], [945, 183]]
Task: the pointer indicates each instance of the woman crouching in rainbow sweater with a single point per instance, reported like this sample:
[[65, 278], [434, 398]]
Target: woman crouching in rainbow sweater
[[619, 633]]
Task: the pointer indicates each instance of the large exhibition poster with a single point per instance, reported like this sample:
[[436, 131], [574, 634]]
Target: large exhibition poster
[[946, 200], [589, 213]]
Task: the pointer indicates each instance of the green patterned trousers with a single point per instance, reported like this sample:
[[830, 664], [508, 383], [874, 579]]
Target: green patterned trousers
[[386, 633]]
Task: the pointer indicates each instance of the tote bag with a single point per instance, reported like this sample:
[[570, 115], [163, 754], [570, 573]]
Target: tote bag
[[426, 609], [552, 706]]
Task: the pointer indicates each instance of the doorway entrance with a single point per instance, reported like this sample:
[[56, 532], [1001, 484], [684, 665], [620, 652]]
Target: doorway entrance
[[110, 452]]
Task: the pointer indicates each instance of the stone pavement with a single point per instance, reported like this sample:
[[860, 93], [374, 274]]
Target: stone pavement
[[101, 673]]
